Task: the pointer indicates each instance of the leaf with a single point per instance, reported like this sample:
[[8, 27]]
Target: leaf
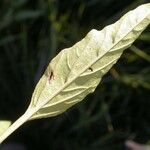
[[4, 125], [75, 72]]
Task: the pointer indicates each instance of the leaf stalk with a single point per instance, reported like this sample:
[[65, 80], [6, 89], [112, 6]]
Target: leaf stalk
[[25, 117]]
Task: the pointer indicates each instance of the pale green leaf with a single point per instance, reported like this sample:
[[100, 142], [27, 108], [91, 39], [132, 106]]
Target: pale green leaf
[[75, 72], [4, 125]]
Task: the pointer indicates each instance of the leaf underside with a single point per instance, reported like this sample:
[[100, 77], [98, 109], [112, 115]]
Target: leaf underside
[[75, 72]]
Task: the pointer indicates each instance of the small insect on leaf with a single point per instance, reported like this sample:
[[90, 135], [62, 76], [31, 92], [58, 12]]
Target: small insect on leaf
[[91, 69]]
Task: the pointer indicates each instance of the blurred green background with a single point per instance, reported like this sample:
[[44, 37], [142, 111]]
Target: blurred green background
[[31, 34]]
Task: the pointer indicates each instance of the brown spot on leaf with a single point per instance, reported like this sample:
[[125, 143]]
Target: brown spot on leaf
[[51, 76]]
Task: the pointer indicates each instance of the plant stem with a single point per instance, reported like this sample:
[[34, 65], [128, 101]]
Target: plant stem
[[16, 124]]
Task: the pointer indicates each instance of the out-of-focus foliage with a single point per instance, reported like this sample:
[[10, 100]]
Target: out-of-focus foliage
[[33, 32]]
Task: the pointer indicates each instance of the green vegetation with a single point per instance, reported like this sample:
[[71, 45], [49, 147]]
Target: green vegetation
[[30, 35]]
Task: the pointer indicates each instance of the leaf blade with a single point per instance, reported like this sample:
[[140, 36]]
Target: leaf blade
[[84, 64]]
